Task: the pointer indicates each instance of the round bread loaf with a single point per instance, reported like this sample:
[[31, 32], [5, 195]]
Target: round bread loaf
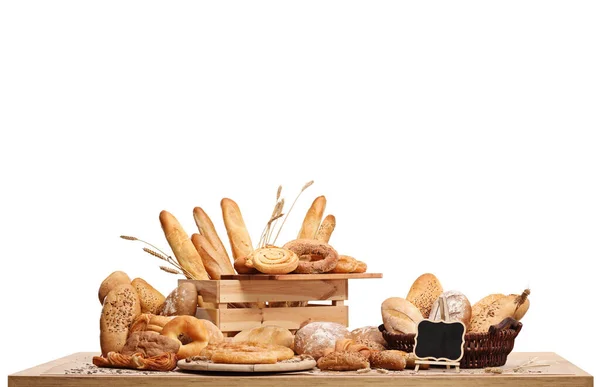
[[268, 334], [150, 298], [424, 291], [115, 278], [121, 307], [459, 308], [181, 302], [368, 334], [215, 336], [150, 344], [314, 338], [400, 316]]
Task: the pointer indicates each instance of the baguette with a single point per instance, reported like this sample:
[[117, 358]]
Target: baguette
[[183, 248], [312, 220], [207, 230], [326, 229], [241, 244], [210, 258]]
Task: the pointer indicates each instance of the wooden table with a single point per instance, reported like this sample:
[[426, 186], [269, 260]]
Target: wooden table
[[71, 371]]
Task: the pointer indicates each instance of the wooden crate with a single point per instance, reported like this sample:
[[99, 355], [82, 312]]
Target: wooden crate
[[330, 290]]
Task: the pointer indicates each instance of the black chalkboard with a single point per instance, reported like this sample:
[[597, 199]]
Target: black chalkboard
[[440, 340]]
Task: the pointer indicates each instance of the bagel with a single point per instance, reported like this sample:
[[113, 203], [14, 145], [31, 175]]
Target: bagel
[[312, 247], [190, 332]]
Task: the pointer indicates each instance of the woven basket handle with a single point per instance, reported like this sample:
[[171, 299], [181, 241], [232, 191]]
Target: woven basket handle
[[509, 323]]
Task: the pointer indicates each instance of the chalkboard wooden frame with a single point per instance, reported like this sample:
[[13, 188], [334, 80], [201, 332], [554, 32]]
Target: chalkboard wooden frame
[[440, 359]]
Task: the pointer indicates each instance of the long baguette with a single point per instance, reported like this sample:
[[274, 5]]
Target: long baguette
[[312, 220], [183, 248], [326, 229], [210, 257], [241, 244], [207, 230]]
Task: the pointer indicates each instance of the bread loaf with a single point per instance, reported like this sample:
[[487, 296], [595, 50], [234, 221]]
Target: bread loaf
[[239, 239], [213, 263], [312, 219], [368, 334], [342, 361], [485, 302], [150, 298], [149, 344], [314, 338], [114, 279], [183, 248], [267, 334], [400, 316], [459, 308], [512, 305], [424, 291], [183, 300], [389, 360], [121, 307], [326, 229], [207, 230], [215, 335]]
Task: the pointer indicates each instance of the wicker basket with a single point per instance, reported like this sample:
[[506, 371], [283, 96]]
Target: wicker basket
[[481, 349]]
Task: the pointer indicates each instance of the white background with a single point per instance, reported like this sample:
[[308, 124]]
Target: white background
[[459, 138]]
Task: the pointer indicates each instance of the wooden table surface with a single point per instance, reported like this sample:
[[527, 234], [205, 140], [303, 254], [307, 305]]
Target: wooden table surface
[[77, 370]]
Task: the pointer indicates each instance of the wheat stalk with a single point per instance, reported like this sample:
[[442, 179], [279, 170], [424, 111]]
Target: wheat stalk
[[169, 270], [290, 210], [160, 255]]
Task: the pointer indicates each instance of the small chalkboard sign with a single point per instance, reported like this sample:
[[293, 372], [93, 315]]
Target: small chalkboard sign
[[439, 342]]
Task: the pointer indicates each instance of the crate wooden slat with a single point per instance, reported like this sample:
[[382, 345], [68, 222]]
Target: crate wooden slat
[[257, 291], [230, 291], [300, 277], [56, 373], [235, 320]]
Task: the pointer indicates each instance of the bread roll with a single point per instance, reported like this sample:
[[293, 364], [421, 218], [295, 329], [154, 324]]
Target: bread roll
[[207, 230], [121, 307], [268, 334], [389, 360], [326, 229], [424, 291], [182, 301], [459, 308], [241, 267], [314, 338], [183, 248], [149, 322], [150, 298], [312, 220], [239, 239], [149, 344], [215, 335], [400, 316], [368, 334], [110, 282]]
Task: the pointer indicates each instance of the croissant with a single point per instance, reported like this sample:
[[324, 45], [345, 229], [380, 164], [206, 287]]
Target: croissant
[[165, 362]]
